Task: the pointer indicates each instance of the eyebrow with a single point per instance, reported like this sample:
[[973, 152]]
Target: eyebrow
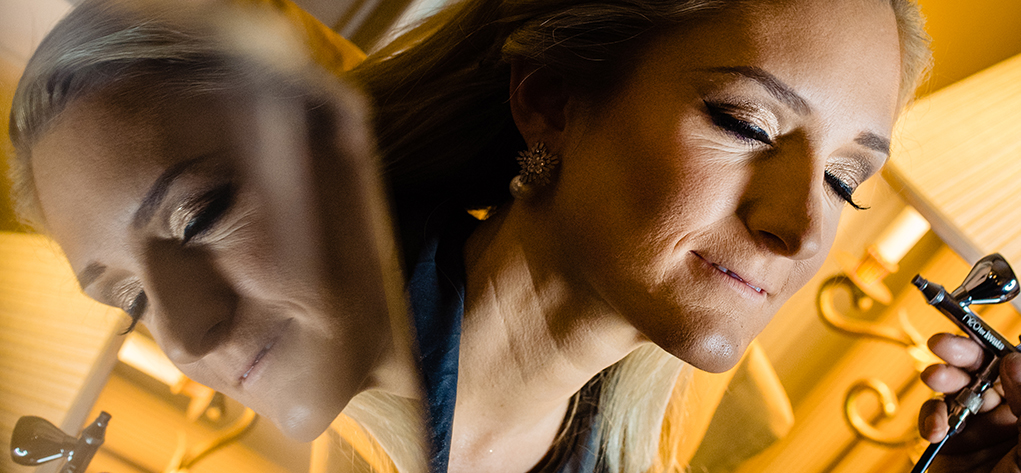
[[874, 142], [158, 192], [89, 275], [771, 83]]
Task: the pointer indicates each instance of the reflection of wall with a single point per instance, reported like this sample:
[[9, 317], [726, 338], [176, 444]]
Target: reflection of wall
[[23, 23], [56, 345], [147, 420]]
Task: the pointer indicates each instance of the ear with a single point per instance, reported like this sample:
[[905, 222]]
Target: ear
[[538, 101]]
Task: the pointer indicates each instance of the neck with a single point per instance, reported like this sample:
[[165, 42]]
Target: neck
[[532, 336], [395, 370]]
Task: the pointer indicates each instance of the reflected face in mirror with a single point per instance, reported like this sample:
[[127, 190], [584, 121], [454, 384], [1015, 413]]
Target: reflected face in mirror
[[723, 163], [148, 204]]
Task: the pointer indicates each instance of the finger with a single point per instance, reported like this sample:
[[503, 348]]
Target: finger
[[945, 378], [958, 351], [1010, 379], [991, 399], [932, 420], [976, 461], [1010, 462], [983, 431], [998, 423]]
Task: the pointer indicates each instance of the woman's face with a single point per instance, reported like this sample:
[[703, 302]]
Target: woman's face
[[154, 218], [707, 189]]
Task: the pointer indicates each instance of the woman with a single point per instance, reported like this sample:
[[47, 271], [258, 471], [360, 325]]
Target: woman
[[683, 166], [694, 160], [162, 153]]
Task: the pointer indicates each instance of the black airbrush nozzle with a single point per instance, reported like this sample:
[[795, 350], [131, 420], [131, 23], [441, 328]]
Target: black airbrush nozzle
[[934, 293]]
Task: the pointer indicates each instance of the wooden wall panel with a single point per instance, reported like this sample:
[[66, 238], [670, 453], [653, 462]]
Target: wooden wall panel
[[52, 338], [958, 161]]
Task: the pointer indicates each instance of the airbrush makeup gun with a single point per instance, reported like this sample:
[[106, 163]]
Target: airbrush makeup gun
[[991, 281]]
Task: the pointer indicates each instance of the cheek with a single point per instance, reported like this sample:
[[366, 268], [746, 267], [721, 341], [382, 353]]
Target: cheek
[[682, 172], [246, 258], [251, 260], [829, 235], [803, 271]]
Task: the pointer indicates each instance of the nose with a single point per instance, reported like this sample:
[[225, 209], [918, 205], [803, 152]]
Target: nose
[[193, 307], [783, 204]]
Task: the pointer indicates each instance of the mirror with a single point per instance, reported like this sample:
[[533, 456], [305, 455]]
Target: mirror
[[266, 266]]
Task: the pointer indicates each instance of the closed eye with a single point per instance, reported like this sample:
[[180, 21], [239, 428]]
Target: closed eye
[[135, 310], [723, 116], [211, 207], [842, 189]]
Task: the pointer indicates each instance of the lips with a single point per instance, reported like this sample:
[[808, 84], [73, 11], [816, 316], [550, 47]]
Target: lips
[[731, 274], [277, 334], [255, 362]]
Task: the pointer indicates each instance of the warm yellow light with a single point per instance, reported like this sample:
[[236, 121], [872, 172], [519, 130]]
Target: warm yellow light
[[142, 353], [901, 235]]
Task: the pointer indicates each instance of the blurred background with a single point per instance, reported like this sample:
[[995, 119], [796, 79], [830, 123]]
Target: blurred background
[[61, 357]]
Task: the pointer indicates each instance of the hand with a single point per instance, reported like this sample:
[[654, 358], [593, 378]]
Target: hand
[[989, 440]]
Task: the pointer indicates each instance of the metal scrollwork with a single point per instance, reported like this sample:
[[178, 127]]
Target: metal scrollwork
[[185, 458], [902, 334], [890, 406]]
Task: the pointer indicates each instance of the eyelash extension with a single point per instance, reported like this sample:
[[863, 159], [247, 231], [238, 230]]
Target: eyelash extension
[[842, 189], [135, 311], [741, 129], [214, 204]]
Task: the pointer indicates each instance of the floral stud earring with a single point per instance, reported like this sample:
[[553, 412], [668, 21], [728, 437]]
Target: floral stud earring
[[537, 168]]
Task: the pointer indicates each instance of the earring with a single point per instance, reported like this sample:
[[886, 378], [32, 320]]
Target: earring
[[537, 167]]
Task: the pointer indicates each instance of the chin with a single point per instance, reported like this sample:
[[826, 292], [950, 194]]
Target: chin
[[714, 353], [302, 423]]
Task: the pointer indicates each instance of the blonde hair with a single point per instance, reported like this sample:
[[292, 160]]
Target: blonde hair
[[154, 52], [445, 131]]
